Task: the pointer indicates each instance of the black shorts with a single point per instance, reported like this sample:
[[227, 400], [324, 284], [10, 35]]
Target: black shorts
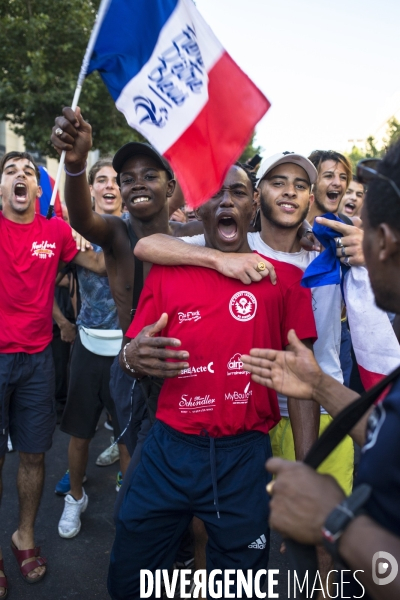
[[27, 406], [88, 393]]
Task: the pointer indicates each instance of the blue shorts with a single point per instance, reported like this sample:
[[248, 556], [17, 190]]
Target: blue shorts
[[130, 406], [27, 404], [184, 475]]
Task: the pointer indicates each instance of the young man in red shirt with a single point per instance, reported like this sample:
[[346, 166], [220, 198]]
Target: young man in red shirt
[[205, 454], [31, 248]]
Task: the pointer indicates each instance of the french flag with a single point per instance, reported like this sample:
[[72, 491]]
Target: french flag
[[176, 85], [42, 203], [375, 344]]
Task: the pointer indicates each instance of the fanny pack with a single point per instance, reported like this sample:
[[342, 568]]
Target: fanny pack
[[105, 342]]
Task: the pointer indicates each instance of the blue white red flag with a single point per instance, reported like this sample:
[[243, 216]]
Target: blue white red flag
[[176, 85], [375, 345], [47, 185]]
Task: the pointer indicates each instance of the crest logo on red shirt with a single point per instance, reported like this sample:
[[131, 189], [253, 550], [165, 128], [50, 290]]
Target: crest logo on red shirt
[[243, 306], [43, 249]]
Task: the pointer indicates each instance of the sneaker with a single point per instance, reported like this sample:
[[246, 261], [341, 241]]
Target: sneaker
[[119, 481], [63, 487], [9, 445], [109, 456], [108, 424], [70, 522]]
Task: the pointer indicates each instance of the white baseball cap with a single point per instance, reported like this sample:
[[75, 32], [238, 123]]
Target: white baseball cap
[[287, 157]]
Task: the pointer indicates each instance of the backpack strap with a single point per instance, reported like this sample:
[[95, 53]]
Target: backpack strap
[[344, 422], [138, 279]]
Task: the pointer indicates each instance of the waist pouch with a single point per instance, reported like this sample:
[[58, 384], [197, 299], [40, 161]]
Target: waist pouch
[[105, 342]]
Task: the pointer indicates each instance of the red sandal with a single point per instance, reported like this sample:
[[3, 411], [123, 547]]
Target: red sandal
[[3, 581], [22, 555]]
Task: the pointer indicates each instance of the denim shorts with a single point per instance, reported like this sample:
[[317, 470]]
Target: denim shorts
[[27, 405]]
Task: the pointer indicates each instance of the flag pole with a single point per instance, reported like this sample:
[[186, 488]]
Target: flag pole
[[82, 74]]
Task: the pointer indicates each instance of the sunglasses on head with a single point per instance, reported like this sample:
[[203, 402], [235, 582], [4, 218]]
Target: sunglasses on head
[[367, 170]]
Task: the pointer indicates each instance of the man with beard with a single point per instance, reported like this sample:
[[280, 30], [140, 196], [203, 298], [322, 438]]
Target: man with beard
[[212, 426]]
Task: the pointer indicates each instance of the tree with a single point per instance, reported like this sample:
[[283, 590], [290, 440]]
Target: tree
[[250, 149], [371, 149], [42, 44], [392, 131]]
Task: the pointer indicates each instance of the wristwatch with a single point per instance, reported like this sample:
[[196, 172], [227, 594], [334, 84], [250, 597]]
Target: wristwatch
[[341, 516]]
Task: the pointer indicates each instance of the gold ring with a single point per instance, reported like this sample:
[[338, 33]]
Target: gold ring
[[261, 266], [270, 487]]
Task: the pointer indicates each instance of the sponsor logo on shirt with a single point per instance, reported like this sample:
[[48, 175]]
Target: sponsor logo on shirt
[[235, 365], [240, 397], [189, 316], [195, 404], [43, 249], [194, 371], [243, 306]]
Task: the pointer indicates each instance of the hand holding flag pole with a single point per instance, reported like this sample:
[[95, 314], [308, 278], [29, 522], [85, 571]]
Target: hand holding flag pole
[[82, 74]]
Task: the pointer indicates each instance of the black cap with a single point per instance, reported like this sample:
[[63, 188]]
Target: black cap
[[134, 148]]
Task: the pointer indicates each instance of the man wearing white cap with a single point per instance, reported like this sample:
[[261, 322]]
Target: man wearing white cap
[[281, 217]]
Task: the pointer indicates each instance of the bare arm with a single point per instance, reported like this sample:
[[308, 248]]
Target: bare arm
[[94, 261], [166, 250], [76, 140], [296, 373], [358, 544], [67, 329], [304, 419]]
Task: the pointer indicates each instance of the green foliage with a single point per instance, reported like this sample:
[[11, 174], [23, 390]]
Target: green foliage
[[42, 44], [355, 156], [250, 150], [392, 131]]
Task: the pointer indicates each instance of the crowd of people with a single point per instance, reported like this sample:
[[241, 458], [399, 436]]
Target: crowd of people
[[215, 341]]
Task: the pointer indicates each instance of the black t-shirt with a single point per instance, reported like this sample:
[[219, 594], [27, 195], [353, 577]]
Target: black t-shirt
[[380, 462]]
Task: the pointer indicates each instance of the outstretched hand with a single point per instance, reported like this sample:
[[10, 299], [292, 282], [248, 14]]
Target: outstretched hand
[[293, 372], [75, 139], [244, 267], [147, 353]]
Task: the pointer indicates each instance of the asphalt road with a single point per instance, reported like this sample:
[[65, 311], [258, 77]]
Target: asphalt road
[[77, 568]]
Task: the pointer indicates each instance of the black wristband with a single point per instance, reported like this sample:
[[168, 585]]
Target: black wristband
[[341, 517]]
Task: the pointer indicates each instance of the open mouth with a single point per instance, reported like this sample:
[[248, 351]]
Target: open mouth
[[141, 199], [227, 227], [350, 207], [333, 196], [20, 191], [109, 197]]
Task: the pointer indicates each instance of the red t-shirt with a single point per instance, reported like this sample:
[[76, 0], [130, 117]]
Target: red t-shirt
[[29, 256], [217, 319]]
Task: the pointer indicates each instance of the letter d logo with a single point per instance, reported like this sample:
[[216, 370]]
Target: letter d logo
[[380, 565]]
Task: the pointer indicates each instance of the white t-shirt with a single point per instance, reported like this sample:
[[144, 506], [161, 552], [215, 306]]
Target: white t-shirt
[[327, 304]]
